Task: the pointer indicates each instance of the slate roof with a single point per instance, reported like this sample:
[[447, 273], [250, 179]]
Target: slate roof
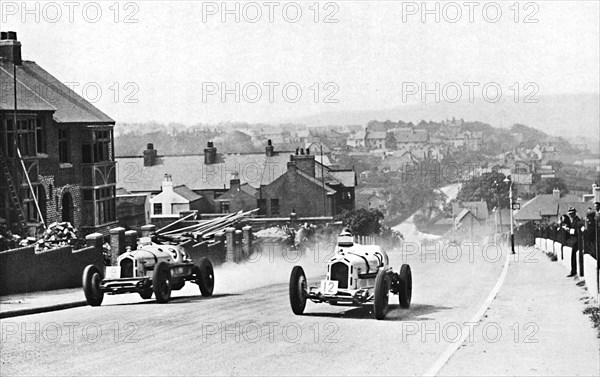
[[376, 135], [253, 170], [543, 205], [186, 193], [38, 90]]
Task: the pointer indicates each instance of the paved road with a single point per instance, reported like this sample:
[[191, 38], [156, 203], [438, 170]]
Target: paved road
[[247, 327]]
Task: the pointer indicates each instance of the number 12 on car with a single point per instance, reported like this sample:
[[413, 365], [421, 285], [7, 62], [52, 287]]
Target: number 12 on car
[[329, 287]]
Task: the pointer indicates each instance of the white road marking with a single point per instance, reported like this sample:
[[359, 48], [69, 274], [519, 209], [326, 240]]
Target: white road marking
[[444, 357]]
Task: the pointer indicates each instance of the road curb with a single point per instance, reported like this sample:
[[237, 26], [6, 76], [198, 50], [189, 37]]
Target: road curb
[[42, 309]]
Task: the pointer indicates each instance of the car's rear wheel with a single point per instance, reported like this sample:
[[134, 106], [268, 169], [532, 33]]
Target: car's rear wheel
[[92, 277], [298, 290], [405, 288], [205, 277], [161, 282], [382, 294]]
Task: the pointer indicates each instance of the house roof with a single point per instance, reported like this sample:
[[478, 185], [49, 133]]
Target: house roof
[[255, 169], [478, 209], [462, 214], [376, 135], [186, 193], [543, 205], [360, 135], [38, 90]]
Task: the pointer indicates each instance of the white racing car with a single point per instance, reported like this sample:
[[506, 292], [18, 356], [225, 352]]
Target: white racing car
[[152, 268], [356, 275]]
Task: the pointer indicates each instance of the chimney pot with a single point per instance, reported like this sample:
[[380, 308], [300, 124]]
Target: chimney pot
[[210, 154], [10, 48], [270, 150], [150, 155]]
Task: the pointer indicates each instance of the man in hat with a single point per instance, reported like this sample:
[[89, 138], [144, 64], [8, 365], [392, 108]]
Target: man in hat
[[597, 208], [572, 239]]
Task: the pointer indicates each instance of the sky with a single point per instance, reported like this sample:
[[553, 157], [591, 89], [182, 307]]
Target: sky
[[209, 62]]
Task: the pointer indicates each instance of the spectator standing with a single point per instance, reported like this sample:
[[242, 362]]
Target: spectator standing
[[572, 239]]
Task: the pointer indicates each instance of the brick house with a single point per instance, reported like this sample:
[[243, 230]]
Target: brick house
[[66, 147]]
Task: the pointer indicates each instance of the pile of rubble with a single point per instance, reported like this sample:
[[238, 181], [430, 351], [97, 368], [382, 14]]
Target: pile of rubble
[[56, 235], [273, 232], [8, 240]]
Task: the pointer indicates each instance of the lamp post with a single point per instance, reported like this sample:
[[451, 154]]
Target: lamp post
[[510, 208]]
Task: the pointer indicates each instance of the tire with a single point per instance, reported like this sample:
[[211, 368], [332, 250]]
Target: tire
[[161, 282], [205, 277], [405, 289], [382, 293], [146, 293], [298, 290], [92, 277]]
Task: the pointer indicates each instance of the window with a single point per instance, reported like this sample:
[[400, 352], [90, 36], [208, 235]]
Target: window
[[99, 149], [157, 207], [105, 205], [224, 207], [63, 146], [274, 206], [29, 135]]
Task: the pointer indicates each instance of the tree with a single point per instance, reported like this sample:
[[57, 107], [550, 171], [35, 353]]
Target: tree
[[363, 222], [547, 186], [490, 187], [390, 140]]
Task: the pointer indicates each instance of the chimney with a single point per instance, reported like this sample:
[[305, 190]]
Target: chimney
[[10, 47], [167, 184], [210, 154], [291, 166], [234, 183], [150, 155], [270, 150], [596, 192], [305, 162], [556, 193]]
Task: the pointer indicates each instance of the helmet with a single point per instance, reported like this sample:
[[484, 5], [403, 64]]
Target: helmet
[[346, 238]]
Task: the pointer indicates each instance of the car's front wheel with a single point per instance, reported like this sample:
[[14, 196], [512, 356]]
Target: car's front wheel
[[382, 294], [92, 277], [405, 291], [298, 290]]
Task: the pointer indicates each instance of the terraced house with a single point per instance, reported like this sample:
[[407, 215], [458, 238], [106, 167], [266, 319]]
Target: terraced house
[[57, 150]]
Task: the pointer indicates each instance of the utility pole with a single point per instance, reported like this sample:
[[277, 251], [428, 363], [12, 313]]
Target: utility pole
[[323, 181], [510, 208]]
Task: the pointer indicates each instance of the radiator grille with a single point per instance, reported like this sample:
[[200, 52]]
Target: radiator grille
[[127, 268], [339, 272]]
